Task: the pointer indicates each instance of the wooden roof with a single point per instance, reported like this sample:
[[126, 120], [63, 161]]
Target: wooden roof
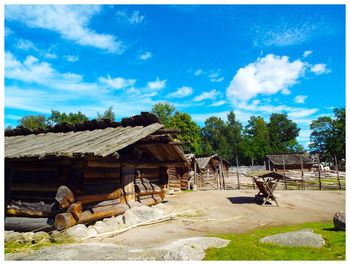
[[265, 174], [203, 161], [98, 142], [289, 159]]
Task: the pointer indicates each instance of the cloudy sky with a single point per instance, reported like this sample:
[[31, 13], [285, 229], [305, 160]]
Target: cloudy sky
[[207, 60]]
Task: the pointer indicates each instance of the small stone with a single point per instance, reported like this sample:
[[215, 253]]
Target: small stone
[[301, 238], [339, 221], [91, 231], [28, 237]]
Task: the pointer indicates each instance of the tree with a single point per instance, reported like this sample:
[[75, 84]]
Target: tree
[[233, 133], [57, 117], [328, 135], [108, 114], [190, 131], [283, 133], [212, 132], [256, 140], [33, 121], [164, 110]]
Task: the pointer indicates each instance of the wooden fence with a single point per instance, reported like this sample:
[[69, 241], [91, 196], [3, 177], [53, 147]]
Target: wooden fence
[[310, 180]]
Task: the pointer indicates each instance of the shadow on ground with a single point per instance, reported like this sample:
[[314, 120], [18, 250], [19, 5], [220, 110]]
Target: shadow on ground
[[242, 200]]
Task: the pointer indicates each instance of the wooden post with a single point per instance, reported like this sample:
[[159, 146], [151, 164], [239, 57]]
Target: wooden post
[[222, 174], [264, 164], [195, 171], [284, 173], [270, 165], [336, 165], [238, 184], [252, 171], [302, 173], [319, 171]]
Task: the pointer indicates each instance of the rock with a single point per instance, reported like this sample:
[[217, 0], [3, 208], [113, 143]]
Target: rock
[[41, 237], [301, 238], [141, 214], [77, 232], [13, 237], [105, 227], [192, 248], [339, 221], [91, 231], [28, 237]]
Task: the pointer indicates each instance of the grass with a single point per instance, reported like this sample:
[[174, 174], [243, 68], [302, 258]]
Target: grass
[[15, 247], [247, 247]]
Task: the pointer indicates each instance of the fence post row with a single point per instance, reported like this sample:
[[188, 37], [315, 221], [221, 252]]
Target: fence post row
[[319, 171], [336, 165]]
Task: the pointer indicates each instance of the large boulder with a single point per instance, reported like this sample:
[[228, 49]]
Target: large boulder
[[339, 221], [141, 214], [301, 238]]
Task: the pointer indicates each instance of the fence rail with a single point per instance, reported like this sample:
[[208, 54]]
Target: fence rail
[[328, 180]]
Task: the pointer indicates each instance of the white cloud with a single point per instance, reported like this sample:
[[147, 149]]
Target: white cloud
[[307, 53], [198, 72], [117, 83], [300, 99], [217, 79], [31, 70], [70, 21], [25, 45], [145, 56], [134, 18], [71, 58], [266, 76], [181, 92], [207, 95], [218, 103], [156, 85], [319, 69], [49, 55], [8, 32]]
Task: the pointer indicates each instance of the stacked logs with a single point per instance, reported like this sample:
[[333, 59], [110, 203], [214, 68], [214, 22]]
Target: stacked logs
[[143, 119], [184, 181]]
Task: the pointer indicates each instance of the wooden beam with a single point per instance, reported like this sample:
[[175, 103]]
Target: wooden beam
[[26, 224]]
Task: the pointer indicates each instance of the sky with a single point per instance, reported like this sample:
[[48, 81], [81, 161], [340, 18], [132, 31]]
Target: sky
[[204, 59]]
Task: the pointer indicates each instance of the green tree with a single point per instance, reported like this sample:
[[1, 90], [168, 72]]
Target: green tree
[[33, 121], [58, 117], [256, 139], [108, 114], [164, 110], [190, 131], [328, 135], [212, 132], [233, 133], [283, 133]]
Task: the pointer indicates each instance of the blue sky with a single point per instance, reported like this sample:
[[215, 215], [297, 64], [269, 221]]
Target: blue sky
[[205, 59]]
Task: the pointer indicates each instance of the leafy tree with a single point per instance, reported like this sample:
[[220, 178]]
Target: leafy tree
[[283, 133], [212, 132], [33, 121], [164, 110], [190, 131], [233, 133], [328, 135], [108, 114], [57, 117], [256, 140]]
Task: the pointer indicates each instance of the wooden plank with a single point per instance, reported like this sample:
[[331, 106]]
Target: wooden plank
[[50, 187], [38, 209], [75, 209], [90, 198], [100, 172], [102, 163], [102, 180], [26, 224], [33, 195], [102, 212]]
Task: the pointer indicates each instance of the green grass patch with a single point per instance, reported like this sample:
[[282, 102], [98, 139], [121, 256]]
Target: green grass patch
[[247, 247], [15, 247]]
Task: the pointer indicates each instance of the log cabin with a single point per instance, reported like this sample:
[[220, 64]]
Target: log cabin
[[290, 161], [78, 173], [210, 167]]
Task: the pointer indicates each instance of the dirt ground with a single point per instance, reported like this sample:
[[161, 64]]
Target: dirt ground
[[231, 211]]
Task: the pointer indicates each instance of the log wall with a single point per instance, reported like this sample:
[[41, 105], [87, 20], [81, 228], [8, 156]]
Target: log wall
[[72, 192]]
